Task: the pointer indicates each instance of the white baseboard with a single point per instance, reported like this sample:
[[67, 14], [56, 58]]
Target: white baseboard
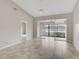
[[10, 45]]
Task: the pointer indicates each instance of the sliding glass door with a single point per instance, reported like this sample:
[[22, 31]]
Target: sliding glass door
[[56, 29]]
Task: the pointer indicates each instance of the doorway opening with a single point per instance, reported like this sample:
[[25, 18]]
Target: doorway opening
[[23, 29]]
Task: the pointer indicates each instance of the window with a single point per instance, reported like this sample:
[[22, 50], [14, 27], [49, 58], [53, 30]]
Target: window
[[56, 28]]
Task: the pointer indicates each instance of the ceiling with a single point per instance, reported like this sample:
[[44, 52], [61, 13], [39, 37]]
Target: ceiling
[[46, 7]]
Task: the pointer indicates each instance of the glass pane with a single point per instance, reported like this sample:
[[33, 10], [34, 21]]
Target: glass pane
[[59, 34]]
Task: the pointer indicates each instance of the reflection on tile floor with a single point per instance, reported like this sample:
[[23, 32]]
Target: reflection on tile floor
[[40, 49]]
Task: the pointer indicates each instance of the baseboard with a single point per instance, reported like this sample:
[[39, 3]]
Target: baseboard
[[10, 45]]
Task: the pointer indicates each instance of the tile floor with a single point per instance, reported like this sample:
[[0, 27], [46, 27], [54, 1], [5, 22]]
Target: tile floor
[[40, 49]]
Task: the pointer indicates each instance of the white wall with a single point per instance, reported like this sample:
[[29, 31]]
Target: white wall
[[76, 25], [10, 23]]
